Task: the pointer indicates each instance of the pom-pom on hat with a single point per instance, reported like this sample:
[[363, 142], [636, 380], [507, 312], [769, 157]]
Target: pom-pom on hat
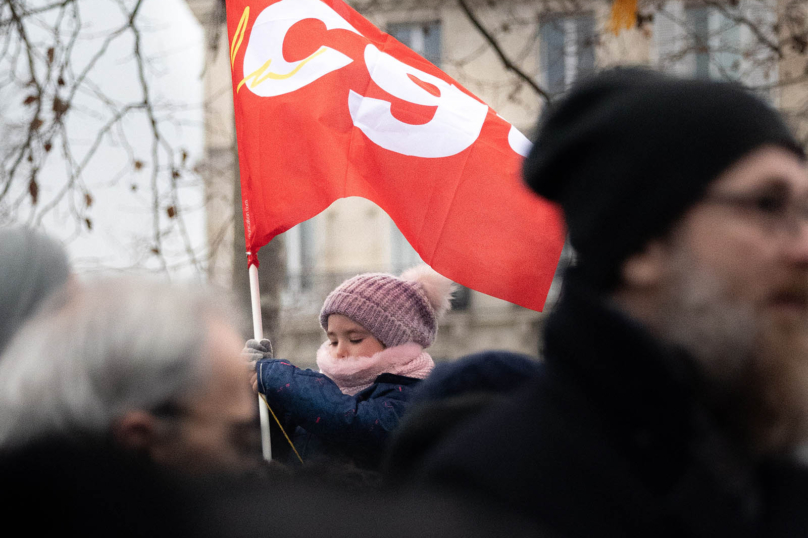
[[395, 310], [628, 151]]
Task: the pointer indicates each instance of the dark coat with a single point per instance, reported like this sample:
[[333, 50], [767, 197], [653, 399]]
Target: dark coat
[[329, 424], [60, 487], [609, 439], [86, 487], [453, 393], [491, 372]]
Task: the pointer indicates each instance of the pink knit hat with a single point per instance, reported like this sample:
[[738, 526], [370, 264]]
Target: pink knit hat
[[394, 310]]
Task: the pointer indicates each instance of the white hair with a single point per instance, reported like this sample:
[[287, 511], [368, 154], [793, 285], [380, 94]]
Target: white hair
[[97, 351]]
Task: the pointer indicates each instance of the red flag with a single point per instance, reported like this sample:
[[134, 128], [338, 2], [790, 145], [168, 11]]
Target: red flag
[[328, 106]]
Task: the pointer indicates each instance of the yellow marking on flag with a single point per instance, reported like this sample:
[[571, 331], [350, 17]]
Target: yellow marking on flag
[[238, 37], [258, 75]]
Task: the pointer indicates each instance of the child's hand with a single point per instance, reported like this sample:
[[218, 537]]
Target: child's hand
[[254, 351]]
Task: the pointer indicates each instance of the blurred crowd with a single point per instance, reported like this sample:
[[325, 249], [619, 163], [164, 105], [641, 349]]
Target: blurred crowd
[[670, 399]]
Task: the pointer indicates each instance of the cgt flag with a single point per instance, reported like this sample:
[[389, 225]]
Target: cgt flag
[[327, 106]]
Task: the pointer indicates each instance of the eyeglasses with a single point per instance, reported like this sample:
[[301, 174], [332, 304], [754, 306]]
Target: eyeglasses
[[774, 210]]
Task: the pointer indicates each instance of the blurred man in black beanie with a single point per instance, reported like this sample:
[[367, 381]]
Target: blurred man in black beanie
[[628, 152], [673, 399]]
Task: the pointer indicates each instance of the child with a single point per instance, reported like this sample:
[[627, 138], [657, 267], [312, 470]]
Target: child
[[378, 326]]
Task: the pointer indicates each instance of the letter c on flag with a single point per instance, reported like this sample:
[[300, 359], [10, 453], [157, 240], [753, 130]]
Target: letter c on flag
[[266, 73], [455, 126]]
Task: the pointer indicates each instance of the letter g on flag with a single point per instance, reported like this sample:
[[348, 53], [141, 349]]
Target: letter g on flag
[[455, 126]]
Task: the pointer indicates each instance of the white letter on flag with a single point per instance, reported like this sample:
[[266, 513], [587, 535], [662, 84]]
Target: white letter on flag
[[455, 126], [266, 72]]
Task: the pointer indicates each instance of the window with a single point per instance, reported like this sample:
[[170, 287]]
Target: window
[[300, 256], [714, 44], [423, 38], [708, 42], [461, 299], [402, 255], [567, 48]]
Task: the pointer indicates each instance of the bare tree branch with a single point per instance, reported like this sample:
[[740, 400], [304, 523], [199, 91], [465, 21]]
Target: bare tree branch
[[753, 27], [506, 62], [39, 66]]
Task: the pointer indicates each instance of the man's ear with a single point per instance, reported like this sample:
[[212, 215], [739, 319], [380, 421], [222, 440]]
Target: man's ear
[[646, 268], [136, 431]]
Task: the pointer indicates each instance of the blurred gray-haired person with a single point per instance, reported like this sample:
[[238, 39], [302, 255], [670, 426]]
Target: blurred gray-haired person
[[146, 368]]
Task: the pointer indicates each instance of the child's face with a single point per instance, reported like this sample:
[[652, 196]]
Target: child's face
[[349, 339]]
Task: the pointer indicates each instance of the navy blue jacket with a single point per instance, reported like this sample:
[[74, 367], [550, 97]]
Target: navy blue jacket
[[329, 423]]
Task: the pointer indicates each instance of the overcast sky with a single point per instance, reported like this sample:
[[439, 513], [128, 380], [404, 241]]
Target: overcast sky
[[121, 213]]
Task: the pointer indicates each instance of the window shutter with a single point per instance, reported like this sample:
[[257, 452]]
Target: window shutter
[[670, 39], [725, 40], [760, 66], [553, 54]]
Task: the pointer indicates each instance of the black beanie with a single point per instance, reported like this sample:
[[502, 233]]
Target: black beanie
[[628, 151]]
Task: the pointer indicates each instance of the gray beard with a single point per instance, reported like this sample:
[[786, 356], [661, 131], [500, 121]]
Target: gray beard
[[755, 369], [700, 316]]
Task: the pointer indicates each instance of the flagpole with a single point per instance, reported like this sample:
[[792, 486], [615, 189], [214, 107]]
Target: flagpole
[[258, 334]]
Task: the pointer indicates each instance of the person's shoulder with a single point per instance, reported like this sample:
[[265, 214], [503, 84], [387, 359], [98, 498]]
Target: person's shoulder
[[487, 371], [544, 399], [543, 427]]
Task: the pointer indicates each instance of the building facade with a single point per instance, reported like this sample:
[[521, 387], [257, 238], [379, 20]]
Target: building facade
[[553, 43]]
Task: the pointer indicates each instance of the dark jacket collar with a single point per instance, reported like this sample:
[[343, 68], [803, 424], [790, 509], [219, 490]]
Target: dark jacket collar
[[396, 379], [615, 356], [646, 390], [647, 395]]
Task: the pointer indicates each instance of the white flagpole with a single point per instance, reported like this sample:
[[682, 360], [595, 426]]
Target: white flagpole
[[258, 333]]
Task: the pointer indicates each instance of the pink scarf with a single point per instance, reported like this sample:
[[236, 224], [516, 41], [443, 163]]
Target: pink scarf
[[354, 374]]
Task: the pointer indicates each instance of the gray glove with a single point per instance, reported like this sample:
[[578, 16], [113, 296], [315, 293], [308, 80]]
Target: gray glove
[[254, 350]]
